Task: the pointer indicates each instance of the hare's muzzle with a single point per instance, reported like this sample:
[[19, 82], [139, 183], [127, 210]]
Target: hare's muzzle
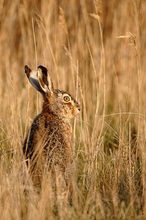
[[76, 110]]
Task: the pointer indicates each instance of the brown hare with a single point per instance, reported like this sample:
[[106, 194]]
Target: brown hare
[[48, 144]]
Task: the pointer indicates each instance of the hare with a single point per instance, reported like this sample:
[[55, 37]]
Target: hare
[[48, 144]]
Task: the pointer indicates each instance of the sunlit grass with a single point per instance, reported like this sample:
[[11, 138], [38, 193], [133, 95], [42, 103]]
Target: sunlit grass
[[97, 55]]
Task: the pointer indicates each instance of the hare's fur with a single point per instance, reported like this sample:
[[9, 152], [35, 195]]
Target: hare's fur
[[48, 145]]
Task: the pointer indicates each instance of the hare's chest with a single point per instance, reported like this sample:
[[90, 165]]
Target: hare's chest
[[58, 143], [58, 136]]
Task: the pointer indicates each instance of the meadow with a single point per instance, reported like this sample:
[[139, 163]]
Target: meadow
[[95, 50]]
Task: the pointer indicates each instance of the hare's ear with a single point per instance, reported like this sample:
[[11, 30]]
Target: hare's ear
[[45, 80], [33, 78]]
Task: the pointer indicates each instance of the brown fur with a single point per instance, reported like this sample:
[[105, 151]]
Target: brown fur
[[48, 145]]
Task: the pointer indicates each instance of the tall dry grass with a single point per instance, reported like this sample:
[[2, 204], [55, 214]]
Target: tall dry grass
[[96, 51]]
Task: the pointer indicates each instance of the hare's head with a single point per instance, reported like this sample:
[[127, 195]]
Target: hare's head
[[56, 101]]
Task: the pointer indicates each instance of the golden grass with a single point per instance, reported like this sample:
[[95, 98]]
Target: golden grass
[[96, 51]]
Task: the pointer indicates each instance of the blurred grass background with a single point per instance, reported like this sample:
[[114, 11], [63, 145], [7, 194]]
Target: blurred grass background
[[96, 51]]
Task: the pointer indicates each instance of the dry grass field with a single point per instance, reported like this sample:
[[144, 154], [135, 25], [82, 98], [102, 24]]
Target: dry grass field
[[95, 50]]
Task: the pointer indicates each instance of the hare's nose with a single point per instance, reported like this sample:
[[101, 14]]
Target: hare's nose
[[79, 109]]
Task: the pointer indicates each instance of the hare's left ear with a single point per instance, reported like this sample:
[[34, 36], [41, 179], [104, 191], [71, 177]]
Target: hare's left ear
[[33, 79], [40, 80], [45, 80]]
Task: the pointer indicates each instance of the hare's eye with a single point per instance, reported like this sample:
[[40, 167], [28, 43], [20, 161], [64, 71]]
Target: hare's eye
[[66, 98]]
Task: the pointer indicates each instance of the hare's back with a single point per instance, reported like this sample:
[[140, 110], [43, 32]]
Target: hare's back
[[50, 136]]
